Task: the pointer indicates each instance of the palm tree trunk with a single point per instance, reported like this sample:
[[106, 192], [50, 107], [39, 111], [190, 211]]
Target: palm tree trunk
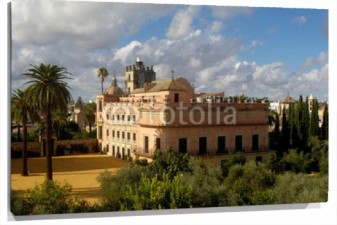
[[24, 171], [49, 147], [19, 132], [102, 85], [90, 127]]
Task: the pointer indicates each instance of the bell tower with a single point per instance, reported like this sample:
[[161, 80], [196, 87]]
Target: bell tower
[[137, 75]]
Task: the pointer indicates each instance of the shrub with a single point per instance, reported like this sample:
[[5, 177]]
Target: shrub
[[50, 198], [300, 188]]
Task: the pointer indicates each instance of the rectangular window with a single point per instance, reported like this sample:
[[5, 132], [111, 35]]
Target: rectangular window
[[128, 135], [134, 136], [183, 145], [113, 133], [117, 134], [107, 148], [157, 143], [113, 150], [238, 143], [202, 145], [176, 97], [107, 133], [146, 144], [221, 144], [100, 132], [100, 106], [123, 135], [255, 142]]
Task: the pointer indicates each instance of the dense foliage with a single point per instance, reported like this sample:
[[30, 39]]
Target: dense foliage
[[175, 180]]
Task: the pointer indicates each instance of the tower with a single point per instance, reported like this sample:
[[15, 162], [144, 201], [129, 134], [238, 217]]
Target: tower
[[137, 75]]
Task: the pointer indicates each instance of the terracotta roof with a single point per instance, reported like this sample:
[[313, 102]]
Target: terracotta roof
[[288, 100], [163, 85]]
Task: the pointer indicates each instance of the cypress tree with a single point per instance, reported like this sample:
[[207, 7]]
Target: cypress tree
[[314, 120], [277, 129], [292, 127], [304, 125], [298, 118], [325, 124], [285, 135]]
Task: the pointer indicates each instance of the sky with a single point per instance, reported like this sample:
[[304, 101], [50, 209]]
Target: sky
[[259, 52]]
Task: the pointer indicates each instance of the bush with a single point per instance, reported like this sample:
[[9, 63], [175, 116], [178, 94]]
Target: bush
[[296, 162], [153, 193], [50, 198], [300, 188], [247, 182], [19, 204]]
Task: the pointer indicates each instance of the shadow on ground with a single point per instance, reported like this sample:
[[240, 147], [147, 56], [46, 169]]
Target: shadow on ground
[[69, 163]]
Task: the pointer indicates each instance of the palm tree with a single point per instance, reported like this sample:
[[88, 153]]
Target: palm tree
[[89, 112], [49, 91], [59, 118], [22, 109], [102, 73]]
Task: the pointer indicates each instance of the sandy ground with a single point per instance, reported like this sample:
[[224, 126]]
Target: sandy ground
[[80, 171]]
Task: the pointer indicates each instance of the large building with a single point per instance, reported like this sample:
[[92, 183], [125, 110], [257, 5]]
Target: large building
[[168, 114]]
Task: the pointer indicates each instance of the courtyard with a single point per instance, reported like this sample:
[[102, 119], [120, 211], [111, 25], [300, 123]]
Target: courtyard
[[80, 171]]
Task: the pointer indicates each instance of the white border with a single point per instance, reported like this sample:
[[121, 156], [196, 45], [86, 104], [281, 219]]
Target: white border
[[324, 213]]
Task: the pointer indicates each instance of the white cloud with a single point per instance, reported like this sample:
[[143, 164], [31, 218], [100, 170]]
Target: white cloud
[[84, 38], [299, 20], [181, 25], [231, 12]]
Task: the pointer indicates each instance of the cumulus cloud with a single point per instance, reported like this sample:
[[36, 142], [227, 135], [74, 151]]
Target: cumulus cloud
[[84, 38], [231, 12], [181, 25]]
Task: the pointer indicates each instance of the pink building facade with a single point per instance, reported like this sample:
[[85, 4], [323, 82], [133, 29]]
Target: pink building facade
[[168, 114]]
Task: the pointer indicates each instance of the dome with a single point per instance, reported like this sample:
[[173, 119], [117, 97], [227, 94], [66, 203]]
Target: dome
[[114, 89]]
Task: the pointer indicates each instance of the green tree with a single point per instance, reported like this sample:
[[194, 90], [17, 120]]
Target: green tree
[[155, 193], [304, 127], [59, 118], [292, 127], [79, 103], [102, 73], [90, 114], [285, 136], [170, 162], [300, 188], [325, 124], [22, 110], [314, 120], [246, 182], [49, 91]]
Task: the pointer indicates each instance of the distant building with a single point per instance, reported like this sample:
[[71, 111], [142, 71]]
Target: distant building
[[168, 114]]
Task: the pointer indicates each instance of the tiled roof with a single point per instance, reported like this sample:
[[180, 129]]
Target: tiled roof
[[163, 85], [288, 100]]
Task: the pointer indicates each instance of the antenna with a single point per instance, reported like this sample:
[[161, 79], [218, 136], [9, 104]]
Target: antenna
[[172, 74]]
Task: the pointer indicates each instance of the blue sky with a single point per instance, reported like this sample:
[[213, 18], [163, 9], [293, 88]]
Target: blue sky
[[239, 50]]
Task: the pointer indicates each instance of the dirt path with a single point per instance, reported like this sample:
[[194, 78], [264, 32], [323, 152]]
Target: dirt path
[[80, 171]]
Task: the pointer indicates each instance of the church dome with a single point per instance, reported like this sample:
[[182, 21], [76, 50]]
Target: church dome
[[114, 89]]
